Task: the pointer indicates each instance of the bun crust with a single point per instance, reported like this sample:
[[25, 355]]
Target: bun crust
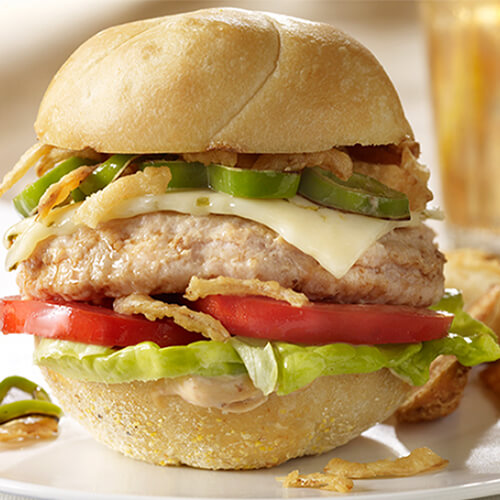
[[169, 431], [220, 79]]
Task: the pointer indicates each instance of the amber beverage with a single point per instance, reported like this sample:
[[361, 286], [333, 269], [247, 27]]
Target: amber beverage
[[464, 53]]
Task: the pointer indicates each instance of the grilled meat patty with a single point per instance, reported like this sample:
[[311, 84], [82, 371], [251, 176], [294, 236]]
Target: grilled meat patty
[[159, 253]]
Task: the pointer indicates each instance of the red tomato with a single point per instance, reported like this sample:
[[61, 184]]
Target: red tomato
[[322, 323], [86, 323]]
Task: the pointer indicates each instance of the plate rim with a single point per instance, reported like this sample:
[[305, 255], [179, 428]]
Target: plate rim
[[456, 492]]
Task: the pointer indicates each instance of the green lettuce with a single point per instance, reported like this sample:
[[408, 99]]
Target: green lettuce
[[144, 361], [273, 366]]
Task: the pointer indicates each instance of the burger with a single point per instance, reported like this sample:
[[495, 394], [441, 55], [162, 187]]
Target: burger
[[224, 260]]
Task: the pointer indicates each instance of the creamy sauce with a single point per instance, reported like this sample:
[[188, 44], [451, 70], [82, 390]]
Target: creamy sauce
[[229, 393]]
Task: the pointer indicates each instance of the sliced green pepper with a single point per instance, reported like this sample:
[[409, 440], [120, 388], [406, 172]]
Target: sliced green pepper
[[184, 175], [19, 409], [359, 194], [246, 183], [23, 384], [239, 182], [103, 175], [39, 403], [27, 201]]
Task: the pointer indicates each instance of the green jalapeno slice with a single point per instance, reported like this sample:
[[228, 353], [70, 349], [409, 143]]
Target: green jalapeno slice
[[184, 175], [103, 175], [239, 182], [27, 201], [246, 183], [37, 403], [359, 194]]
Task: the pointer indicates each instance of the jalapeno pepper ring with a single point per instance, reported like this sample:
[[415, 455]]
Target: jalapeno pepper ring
[[103, 175], [27, 201], [359, 194], [239, 182], [184, 175], [40, 404], [247, 183], [18, 409]]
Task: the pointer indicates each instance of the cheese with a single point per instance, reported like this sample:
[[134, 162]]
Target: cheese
[[335, 239], [22, 238]]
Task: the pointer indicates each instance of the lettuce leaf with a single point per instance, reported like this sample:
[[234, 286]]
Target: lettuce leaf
[[259, 359], [144, 361], [279, 366]]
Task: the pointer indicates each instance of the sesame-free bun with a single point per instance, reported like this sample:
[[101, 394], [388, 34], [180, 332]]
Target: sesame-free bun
[[166, 430], [220, 79]]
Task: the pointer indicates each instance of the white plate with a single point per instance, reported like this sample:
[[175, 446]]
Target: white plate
[[73, 466]]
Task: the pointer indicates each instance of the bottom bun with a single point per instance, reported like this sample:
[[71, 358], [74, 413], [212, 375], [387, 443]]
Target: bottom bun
[[169, 431]]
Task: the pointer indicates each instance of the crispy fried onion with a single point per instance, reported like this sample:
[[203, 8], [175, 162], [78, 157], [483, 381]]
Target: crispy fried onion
[[152, 309], [199, 288], [23, 165], [418, 461], [217, 156], [326, 482], [388, 154], [95, 208], [410, 177], [60, 190], [43, 157], [338, 162], [334, 160], [28, 428], [338, 474], [56, 155]]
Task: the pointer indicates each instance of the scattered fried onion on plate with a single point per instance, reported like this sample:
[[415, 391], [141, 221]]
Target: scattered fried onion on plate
[[327, 482], [418, 461], [28, 428], [338, 473], [199, 288]]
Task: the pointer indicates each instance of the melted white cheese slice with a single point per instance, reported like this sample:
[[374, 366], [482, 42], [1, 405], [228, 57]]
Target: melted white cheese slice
[[335, 239]]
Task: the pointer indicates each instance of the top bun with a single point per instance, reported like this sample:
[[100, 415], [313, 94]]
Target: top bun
[[220, 79]]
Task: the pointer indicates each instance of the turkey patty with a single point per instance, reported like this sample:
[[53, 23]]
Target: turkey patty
[[159, 252]]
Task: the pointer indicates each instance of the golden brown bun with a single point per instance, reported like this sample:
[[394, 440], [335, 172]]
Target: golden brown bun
[[327, 413], [220, 78]]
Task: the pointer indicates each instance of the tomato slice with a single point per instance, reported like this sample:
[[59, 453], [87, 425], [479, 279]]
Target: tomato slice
[[322, 323], [88, 324]]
